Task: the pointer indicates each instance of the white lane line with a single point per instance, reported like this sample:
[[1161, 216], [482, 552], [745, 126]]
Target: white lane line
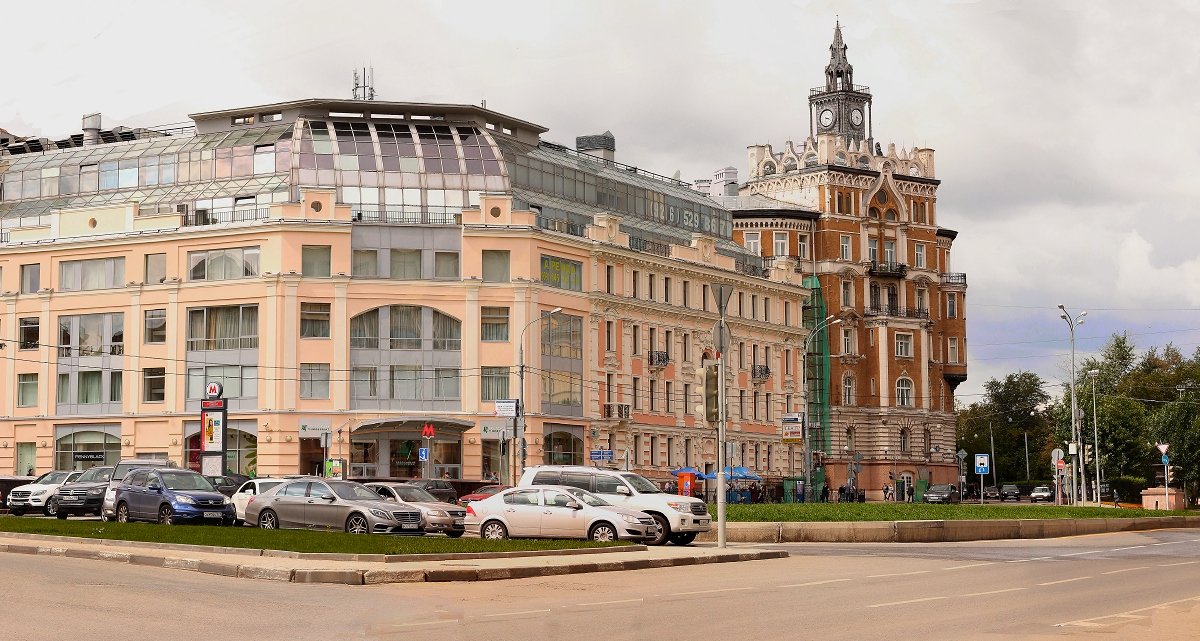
[[413, 625], [1019, 561], [708, 591], [1132, 547], [1082, 553], [1078, 578], [973, 565], [513, 614], [1041, 558], [994, 592], [1144, 567], [805, 585], [884, 605], [1171, 565], [610, 602], [880, 576]]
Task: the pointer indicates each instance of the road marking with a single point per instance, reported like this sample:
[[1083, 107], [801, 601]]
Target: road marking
[[1080, 553], [973, 565], [884, 605], [513, 614], [708, 591], [1171, 565], [610, 602], [1132, 547], [994, 592], [1041, 558], [1144, 567], [880, 576], [805, 585], [1078, 578], [412, 625], [1088, 623]]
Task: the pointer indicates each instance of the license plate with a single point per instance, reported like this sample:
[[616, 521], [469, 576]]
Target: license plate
[[458, 521], [702, 521], [214, 515], [408, 526], [70, 499]]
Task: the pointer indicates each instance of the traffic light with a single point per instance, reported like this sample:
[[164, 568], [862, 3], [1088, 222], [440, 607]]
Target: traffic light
[[1087, 453], [712, 393], [1171, 469]]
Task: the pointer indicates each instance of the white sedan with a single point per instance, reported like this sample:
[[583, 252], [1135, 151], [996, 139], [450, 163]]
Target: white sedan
[[556, 512], [248, 490]]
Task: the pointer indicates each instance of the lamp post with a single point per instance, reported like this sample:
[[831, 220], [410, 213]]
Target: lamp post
[[995, 472], [1073, 322], [1094, 374], [520, 436], [818, 328]]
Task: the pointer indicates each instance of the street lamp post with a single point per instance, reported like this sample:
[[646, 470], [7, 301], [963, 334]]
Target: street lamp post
[[1073, 322], [818, 328], [995, 471], [1094, 374], [520, 436]]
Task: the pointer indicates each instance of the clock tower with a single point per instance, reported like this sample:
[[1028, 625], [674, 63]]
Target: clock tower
[[840, 107]]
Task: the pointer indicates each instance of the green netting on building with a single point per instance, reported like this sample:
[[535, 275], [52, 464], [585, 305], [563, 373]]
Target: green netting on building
[[817, 376]]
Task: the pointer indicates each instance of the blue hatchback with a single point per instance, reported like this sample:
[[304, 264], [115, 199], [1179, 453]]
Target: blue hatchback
[[170, 496]]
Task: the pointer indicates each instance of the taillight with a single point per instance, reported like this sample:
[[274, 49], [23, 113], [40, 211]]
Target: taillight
[[470, 510]]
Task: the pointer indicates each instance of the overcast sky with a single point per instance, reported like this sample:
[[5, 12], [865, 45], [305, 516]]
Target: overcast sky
[[1065, 131]]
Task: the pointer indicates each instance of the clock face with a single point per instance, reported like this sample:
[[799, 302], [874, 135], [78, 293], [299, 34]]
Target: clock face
[[826, 118], [856, 117]]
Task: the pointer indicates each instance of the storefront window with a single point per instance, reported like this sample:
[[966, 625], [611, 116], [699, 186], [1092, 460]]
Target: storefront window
[[562, 448], [84, 449], [241, 452]]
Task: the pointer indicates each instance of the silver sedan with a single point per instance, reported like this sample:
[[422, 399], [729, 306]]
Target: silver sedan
[[436, 516], [330, 505], [557, 512]]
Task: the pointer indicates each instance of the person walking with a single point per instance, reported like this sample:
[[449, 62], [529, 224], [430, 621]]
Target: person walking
[[909, 489], [1116, 498]]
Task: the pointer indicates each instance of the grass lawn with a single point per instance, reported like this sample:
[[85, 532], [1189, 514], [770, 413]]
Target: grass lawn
[[775, 512], [292, 540]]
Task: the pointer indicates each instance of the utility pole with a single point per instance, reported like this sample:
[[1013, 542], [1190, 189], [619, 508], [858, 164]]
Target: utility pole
[[995, 472], [1076, 479], [721, 293], [520, 435]]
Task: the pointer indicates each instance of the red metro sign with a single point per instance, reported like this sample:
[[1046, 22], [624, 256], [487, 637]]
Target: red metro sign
[[427, 430]]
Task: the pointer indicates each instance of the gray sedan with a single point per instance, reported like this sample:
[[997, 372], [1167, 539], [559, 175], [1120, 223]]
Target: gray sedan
[[436, 516], [331, 505]]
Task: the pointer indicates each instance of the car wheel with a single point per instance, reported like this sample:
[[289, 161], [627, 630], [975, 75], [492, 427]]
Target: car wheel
[[51, 507], [357, 524], [268, 521], [683, 538], [454, 534], [664, 530], [17, 512], [62, 516], [603, 532], [165, 515], [493, 530], [122, 513]]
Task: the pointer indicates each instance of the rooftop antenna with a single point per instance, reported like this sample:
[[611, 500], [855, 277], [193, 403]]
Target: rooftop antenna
[[364, 85], [483, 103]]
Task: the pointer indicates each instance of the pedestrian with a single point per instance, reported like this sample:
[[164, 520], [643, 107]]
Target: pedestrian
[[1116, 498], [885, 492], [909, 489], [825, 493]]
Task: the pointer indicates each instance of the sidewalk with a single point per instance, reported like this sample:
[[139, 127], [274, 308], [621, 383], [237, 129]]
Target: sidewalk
[[352, 569]]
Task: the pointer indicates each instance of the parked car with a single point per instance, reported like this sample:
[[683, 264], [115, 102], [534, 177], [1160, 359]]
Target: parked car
[[170, 496], [481, 493], [943, 493], [1010, 493], [108, 508], [227, 484], [556, 512], [990, 492], [85, 494], [443, 490], [679, 518], [436, 516], [248, 490], [40, 495], [331, 505], [1039, 493]]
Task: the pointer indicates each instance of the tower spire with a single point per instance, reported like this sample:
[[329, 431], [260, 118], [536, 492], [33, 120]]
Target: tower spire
[[839, 72]]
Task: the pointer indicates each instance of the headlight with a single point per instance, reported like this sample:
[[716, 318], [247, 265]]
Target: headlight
[[186, 500], [228, 501], [629, 519], [680, 506], [438, 513], [381, 514], [38, 492], [96, 491]]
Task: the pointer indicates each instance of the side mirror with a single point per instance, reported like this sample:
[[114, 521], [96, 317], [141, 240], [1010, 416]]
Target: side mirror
[[574, 505], [622, 490], [331, 498], [390, 499], [154, 487]]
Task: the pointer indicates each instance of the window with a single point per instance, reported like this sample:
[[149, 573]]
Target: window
[[610, 388], [562, 273], [904, 395], [704, 297], [610, 336], [666, 289], [406, 264], [223, 264], [91, 334], [741, 305], [889, 251], [154, 384], [493, 324], [27, 390], [653, 395], [272, 117], [767, 309], [364, 262], [314, 260], [847, 340], [687, 294], [904, 441], [754, 405], [447, 331], [847, 390], [314, 380], [801, 246], [844, 247], [668, 341], [919, 254], [951, 305], [495, 266], [687, 348], [314, 320], [98, 273], [636, 285], [233, 327], [562, 336], [873, 249], [904, 345], [655, 454], [781, 244], [922, 300], [29, 333], [445, 264], [637, 393], [847, 294], [609, 279], [687, 397], [787, 361], [156, 268], [238, 381], [407, 382], [243, 120], [31, 278], [493, 383], [116, 380], [445, 382], [751, 241], [952, 349], [651, 287], [155, 326], [364, 382], [637, 339], [742, 355]]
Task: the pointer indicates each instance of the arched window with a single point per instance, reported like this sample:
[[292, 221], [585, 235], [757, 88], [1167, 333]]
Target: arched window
[[891, 215], [928, 441], [847, 390], [563, 448], [768, 168], [873, 212], [839, 203], [904, 441], [904, 392], [789, 165]]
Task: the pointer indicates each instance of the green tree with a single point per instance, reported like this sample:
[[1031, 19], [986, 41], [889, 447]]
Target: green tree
[[1009, 411], [1177, 423]]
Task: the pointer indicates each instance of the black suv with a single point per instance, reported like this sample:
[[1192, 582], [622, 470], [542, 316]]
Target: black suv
[[85, 494], [1010, 492], [443, 490]]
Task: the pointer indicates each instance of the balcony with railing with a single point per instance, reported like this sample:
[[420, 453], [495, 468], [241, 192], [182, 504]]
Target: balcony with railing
[[897, 311], [750, 267], [113, 349], [406, 215], [896, 270], [855, 88], [201, 217], [561, 225], [760, 372], [954, 279], [658, 359], [643, 245], [235, 342], [616, 410], [796, 262]]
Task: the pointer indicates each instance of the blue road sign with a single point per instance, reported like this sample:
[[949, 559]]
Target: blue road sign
[[600, 455], [981, 464], [423, 453], [1166, 460]]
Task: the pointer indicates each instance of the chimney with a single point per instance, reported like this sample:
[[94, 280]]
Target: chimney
[[91, 130], [603, 145], [725, 182]]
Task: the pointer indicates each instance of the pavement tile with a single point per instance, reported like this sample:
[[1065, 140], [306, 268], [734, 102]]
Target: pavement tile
[[375, 577], [343, 577]]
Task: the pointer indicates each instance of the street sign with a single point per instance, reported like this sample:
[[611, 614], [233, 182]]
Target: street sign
[[1061, 464], [601, 455], [427, 431], [214, 390], [981, 464], [721, 338], [423, 453], [793, 428], [962, 455], [1166, 460], [1056, 454], [1162, 447], [721, 293], [506, 407]]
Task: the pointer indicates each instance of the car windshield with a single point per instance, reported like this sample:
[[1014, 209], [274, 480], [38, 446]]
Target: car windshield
[[939, 488], [588, 497], [185, 481], [52, 478], [490, 490], [96, 474], [123, 468], [1010, 488], [640, 484], [413, 494], [1041, 488], [353, 491]]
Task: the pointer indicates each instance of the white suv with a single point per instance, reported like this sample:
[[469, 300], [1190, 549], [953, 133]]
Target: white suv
[[680, 518]]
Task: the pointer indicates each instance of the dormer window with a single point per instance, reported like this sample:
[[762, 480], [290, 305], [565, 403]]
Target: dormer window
[[243, 120]]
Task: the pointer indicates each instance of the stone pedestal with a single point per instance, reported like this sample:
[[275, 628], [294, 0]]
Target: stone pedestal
[[1156, 498]]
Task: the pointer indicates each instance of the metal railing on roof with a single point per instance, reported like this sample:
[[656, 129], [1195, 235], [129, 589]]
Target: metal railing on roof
[[824, 89], [954, 278], [405, 215], [750, 268], [638, 244], [896, 310], [201, 217], [614, 164], [561, 225]]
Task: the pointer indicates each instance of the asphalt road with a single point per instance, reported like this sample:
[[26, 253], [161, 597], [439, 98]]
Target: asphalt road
[[1115, 586]]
